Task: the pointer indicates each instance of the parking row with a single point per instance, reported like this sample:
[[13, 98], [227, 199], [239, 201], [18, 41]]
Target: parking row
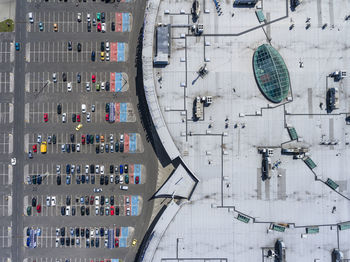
[[5, 236], [74, 22], [5, 142], [95, 205], [78, 237], [6, 49], [6, 113], [86, 174], [127, 143], [5, 174], [6, 81], [56, 82], [57, 51]]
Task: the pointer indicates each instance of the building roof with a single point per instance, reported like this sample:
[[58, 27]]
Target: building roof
[[271, 73]]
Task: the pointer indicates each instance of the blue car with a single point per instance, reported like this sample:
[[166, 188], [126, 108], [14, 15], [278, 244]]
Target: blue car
[[68, 169], [28, 241], [97, 139], [41, 26], [17, 46], [121, 169], [68, 180]]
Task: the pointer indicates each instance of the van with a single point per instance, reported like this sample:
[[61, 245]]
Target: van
[[30, 16], [124, 187]]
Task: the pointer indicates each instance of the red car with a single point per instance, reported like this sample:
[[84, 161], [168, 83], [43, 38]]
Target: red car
[[83, 139], [116, 242], [92, 200], [99, 27], [35, 148], [107, 117], [46, 117], [78, 118], [93, 78], [112, 210], [137, 180], [38, 208]]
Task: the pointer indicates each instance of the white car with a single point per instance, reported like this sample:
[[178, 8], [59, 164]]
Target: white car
[[86, 169], [38, 140], [57, 231], [121, 138], [48, 201], [30, 16], [93, 108], [83, 108], [67, 210], [54, 77], [88, 17], [92, 233], [102, 170], [107, 56], [97, 200], [53, 201], [127, 200], [111, 138], [63, 148], [106, 242], [111, 179], [103, 27], [78, 148], [128, 211], [64, 117], [88, 86], [107, 45], [121, 179], [103, 85], [57, 241], [88, 117], [79, 17], [58, 169], [97, 169], [69, 86], [96, 211]]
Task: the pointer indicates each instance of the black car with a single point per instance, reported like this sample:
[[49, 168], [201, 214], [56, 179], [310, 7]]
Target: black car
[[67, 241], [87, 139], [113, 26], [39, 179], [102, 231], [102, 181], [92, 169], [87, 210], [78, 169], [83, 179], [111, 169], [79, 47], [34, 180], [62, 241], [111, 199], [87, 235], [63, 211], [97, 149], [102, 46], [82, 232], [54, 139], [117, 232], [73, 147], [101, 211], [68, 200], [107, 148], [58, 180], [97, 242], [126, 169], [106, 180], [34, 202], [107, 108], [102, 200], [86, 200], [121, 147], [78, 180], [70, 45], [91, 139], [68, 148], [103, 17], [72, 241], [93, 180], [93, 56], [78, 78], [67, 169], [73, 211], [64, 77], [116, 147], [63, 231], [89, 26], [92, 242], [107, 86], [72, 138], [117, 211], [117, 179], [77, 232], [74, 117], [82, 211], [28, 231], [59, 109]]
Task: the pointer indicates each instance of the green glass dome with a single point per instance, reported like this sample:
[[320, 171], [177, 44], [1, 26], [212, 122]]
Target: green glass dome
[[271, 73]]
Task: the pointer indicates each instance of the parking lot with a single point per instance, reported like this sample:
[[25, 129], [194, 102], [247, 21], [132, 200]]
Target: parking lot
[[67, 22], [6, 51], [5, 236], [6, 82]]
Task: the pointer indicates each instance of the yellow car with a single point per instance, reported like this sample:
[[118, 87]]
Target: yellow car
[[43, 147], [134, 242], [55, 27], [102, 56], [78, 127]]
